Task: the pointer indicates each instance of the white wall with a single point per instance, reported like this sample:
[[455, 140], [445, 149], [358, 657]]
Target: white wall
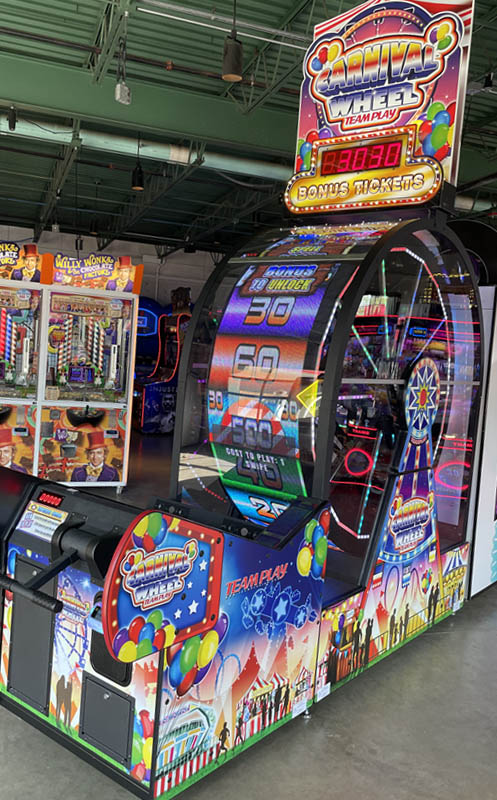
[[180, 269]]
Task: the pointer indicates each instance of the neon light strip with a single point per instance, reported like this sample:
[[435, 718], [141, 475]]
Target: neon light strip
[[365, 349], [410, 311], [346, 527], [385, 315], [336, 308], [178, 349], [375, 458]]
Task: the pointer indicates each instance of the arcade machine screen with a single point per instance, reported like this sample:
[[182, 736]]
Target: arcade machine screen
[[88, 348], [259, 354], [250, 420], [19, 341]]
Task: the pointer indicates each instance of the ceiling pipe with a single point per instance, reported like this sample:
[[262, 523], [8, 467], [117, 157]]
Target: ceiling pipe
[[55, 132], [134, 59], [464, 202]]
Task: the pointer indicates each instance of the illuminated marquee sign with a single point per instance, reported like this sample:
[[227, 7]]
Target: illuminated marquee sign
[[350, 173], [397, 69], [361, 85]]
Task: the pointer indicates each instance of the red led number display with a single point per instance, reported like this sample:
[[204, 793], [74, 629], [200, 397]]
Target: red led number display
[[50, 499], [364, 157]]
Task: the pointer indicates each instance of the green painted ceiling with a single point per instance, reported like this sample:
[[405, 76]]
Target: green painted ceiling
[[58, 67]]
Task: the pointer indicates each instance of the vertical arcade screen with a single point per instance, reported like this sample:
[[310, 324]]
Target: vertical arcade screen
[[254, 382], [88, 348], [19, 341], [258, 352]]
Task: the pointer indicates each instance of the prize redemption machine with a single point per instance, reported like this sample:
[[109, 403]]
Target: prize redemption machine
[[322, 460], [156, 379], [86, 385], [21, 270]]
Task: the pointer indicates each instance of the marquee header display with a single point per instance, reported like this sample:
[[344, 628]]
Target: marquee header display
[[94, 271], [381, 105]]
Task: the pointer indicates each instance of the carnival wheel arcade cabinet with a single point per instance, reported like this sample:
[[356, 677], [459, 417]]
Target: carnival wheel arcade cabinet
[[323, 455]]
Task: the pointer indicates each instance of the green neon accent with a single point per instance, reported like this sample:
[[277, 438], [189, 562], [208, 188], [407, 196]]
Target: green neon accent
[[365, 350], [230, 755], [385, 298]]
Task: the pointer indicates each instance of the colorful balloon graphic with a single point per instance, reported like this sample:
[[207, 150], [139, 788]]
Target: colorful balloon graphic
[[314, 549], [190, 661]]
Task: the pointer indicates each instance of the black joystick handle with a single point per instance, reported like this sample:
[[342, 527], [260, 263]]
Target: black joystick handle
[[40, 598]]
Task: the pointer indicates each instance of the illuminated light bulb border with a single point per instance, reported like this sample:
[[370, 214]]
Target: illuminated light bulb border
[[319, 145]]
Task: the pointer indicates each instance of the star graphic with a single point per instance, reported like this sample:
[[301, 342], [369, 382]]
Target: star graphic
[[203, 592], [280, 609], [257, 602], [203, 565], [177, 613], [193, 607], [189, 585], [300, 617]]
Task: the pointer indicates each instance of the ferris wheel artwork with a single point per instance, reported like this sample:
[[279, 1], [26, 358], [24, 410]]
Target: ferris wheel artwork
[[71, 644]]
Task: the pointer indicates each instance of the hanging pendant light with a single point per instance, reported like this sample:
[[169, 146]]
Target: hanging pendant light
[[137, 180], [233, 54]]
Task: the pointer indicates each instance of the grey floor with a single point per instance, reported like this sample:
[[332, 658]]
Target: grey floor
[[421, 725]]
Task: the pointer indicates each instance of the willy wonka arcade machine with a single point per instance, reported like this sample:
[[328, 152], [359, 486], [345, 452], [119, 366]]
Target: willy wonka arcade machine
[[87, 364], [328, 398]]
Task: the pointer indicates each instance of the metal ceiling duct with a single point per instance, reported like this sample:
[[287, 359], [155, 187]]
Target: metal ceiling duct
[[56, 133]]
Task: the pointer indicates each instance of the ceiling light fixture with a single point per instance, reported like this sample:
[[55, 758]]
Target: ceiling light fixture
[[122, 92], [137, 180], [12, 118], [233, 54]]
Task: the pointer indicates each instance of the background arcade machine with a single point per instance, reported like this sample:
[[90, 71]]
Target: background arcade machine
[[87, 370], [21, 270], [156, 382]]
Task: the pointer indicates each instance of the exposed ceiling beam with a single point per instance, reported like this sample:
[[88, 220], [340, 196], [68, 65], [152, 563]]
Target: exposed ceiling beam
[[283, 24], [155, 189], [111, 27], [55, 89], [278, 81], [233, 206], [58, 178]]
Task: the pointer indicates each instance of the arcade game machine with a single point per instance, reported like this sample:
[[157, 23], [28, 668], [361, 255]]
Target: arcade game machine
[[87, 369], [154, 407], [330, 379], [147, 335], [340, 359], [22, 269]]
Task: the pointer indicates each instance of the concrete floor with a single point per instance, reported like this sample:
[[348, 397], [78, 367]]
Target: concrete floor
[[421, 725]]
